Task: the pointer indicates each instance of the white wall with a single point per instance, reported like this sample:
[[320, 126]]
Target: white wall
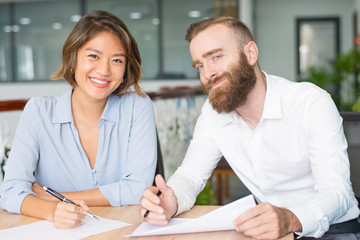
[[246, 11], [357, 8], [275, 29]]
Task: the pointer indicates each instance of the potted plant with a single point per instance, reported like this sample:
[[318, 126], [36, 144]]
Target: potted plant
[[342, 81]]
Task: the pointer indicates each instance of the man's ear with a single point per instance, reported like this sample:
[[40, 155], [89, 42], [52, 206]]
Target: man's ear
[[251, 52]]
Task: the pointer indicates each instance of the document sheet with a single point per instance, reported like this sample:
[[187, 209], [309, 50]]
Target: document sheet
[[45, 230], [217, 220]]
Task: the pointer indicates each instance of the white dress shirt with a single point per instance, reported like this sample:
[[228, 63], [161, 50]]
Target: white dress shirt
[[295, 158]]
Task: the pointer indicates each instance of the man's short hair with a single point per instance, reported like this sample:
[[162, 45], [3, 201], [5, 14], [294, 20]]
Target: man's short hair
[[240, 31]]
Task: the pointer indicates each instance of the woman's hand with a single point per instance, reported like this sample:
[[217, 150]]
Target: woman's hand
[[65, 215], [69, 215]]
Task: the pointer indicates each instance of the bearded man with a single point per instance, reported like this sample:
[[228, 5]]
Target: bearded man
[[283, 139]]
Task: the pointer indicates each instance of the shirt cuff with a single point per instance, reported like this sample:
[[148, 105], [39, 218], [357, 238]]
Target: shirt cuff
[[13, 200], [178, 184], [111, 192], [314, 222]]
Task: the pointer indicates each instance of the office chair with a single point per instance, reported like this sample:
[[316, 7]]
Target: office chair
[[159, 164]]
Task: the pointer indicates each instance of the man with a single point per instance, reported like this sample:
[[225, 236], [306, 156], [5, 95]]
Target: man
[[283, 139]]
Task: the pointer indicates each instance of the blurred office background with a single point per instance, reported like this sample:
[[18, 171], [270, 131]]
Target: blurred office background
[[292, 36]]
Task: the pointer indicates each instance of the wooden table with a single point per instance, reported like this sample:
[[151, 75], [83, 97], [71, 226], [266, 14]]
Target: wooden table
[[130, 214]]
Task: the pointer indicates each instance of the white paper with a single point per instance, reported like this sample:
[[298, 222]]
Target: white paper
[[218, 220], [45, 230]]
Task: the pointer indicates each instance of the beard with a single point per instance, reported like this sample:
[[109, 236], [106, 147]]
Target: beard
[[240, 80]]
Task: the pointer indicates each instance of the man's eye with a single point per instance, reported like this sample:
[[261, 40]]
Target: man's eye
[[199, 67], [216, 57]]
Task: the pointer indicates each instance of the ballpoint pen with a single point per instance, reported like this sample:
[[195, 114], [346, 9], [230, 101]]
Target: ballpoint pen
[[147, 211], [64, 199]]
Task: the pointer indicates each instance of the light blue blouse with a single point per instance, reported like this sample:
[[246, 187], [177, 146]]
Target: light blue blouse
[[47, 150]]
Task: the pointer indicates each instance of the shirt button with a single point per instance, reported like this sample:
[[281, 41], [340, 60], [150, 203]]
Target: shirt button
[[95, 182], [93, 170]]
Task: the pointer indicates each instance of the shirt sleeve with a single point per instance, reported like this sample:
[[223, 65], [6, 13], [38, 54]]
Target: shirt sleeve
[[21, 165], [141, 157], [330, 169], [200, 160]]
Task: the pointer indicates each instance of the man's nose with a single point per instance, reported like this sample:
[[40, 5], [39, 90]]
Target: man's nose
[[210, 72]]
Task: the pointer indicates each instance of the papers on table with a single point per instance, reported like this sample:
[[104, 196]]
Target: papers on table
[[45, 230], [217, 220]]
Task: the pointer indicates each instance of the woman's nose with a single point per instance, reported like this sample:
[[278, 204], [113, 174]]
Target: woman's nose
[[103, 68]]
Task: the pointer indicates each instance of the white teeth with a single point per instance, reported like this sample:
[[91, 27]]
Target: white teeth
[[98, 81]]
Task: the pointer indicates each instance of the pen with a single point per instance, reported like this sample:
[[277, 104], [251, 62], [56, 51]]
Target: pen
[[64, 199], [147, 211]]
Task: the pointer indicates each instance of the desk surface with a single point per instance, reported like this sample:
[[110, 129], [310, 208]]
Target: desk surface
[[130, 214]]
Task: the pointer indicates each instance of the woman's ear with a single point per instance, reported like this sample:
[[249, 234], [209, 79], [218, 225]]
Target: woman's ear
[[251, 52]]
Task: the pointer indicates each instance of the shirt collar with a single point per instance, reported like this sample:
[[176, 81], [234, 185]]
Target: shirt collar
[[111, 111], [63, 112], [272, 105]]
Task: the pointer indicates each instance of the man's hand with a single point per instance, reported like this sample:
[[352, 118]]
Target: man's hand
[[162, 207], [266, 221]]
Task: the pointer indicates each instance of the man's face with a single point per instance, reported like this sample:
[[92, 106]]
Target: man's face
[[240, 80], [226, 77]]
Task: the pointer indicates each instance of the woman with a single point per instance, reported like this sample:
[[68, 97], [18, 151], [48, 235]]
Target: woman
[[96, 144]]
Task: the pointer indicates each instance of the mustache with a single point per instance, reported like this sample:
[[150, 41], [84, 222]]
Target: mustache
[[217, 79]]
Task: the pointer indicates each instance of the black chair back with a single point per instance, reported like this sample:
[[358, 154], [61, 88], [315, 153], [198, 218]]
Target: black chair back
[[159, 164]]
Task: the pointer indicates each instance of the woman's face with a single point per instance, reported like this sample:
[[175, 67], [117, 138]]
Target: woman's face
[[100, 66]]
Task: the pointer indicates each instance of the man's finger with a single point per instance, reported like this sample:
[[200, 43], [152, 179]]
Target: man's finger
[[250, 214], [148, 204], [160, 183], [154, 218]]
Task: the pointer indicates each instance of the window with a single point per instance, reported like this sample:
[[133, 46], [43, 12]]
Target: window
[[33, 33], [318, 43], [142, 19], [177, 17], [42, 32], [5, 39]]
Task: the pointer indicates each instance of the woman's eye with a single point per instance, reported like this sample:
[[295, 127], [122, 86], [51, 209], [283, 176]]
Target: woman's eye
[[93, 56], [118, 61]]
